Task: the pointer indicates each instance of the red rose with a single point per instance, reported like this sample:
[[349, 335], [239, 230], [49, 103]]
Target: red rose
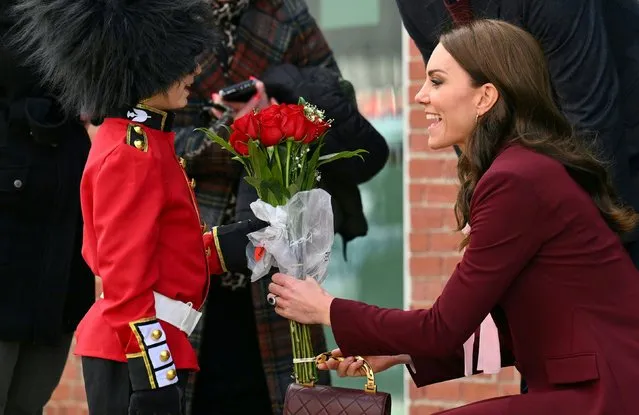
[[315, 129], [270, 120], [239, 142], [293, 121], [248, 125]]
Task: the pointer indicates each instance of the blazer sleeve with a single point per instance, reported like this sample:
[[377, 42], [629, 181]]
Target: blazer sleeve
[[429, 370], [575, 42], [127, 201], [505, 235]]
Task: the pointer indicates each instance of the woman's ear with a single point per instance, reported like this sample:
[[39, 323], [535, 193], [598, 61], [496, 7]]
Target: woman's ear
[[487, 98]]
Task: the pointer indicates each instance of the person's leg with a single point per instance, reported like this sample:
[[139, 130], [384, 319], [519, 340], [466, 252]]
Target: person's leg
[[107, 386], [36, 374], [8, 358]]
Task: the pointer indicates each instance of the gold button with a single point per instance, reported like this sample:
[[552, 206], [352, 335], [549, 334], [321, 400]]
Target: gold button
[[156, 334], [170, 374], [165, 355], [137, 129], [182, 163], [192, 183], [138, 144]]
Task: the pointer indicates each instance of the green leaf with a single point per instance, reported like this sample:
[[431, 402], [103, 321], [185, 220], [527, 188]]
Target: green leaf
[[259, 160], [277, 173], [256, 183], [308, 181], [274, 191], [292, 189], [244, 162], [341, 155], [219, 140]]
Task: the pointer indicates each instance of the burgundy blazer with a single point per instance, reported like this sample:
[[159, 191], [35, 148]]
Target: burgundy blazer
[[559, 285]]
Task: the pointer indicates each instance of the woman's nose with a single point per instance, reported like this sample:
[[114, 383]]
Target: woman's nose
[[422, 95]]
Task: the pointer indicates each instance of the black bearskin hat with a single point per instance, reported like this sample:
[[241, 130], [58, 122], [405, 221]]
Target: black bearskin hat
[[101, 55]]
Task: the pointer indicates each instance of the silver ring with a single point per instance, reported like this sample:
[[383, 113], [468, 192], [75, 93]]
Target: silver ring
[[271, 299]]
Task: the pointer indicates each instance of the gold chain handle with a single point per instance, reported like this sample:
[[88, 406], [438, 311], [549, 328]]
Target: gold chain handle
[[370, 385]]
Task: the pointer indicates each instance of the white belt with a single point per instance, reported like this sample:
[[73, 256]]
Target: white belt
[[178, 314]]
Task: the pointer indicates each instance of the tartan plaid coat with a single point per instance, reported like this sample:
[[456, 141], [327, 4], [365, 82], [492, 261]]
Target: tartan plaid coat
[[269, 32]]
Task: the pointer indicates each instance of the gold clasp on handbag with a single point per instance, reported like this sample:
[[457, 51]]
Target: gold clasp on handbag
[[370, 386]]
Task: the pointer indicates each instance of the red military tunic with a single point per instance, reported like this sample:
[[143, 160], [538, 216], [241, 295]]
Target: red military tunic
[[142, 234]]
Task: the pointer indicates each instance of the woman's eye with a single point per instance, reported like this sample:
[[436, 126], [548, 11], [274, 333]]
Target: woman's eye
[[435, 82]]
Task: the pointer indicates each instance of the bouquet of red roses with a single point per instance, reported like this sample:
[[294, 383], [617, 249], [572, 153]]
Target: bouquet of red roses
[[280, 148]]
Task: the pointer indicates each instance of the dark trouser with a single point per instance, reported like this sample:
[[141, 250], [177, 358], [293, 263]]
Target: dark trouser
[[108, 388], [29, 374]]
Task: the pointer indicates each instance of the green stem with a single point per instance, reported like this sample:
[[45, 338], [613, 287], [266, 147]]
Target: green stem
[[279, 163], [289, 144], [305, 373]]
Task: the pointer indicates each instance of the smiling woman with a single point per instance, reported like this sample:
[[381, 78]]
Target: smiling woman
[[452, 101], [543, 219]]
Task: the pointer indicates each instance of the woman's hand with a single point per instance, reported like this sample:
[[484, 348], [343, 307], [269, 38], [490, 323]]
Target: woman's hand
[[303, 301], [259, 101], [351, 367]]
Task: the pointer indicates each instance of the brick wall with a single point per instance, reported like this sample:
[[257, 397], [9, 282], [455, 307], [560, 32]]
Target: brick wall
[[69, 397], [432, 246]]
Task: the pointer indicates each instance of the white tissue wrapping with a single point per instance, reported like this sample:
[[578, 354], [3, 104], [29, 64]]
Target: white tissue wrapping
[[299, 238]]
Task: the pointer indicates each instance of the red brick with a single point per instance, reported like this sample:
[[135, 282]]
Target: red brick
[[426, 218], [510, 389], [417, 192], [432, 168], [442, 193], [413, 89], [450, 168], [413, 51], [417, 119], [508, 374], [472, 392], [426, 288], [426, 168], [62, 392], [426, 409], [419, 242], [98, 287], [445, 391], [425, 266], [417, 70], [79, 393], [414, 392], [418, 143], [51, 410], [445, 242], [449, 264], [433, 193], [450, 221]]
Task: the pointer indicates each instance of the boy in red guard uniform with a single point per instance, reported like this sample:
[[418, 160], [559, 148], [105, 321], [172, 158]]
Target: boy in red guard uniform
[[131, 62]]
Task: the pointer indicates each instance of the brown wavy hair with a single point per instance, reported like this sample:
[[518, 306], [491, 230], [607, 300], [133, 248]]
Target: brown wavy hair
[[499, 53]]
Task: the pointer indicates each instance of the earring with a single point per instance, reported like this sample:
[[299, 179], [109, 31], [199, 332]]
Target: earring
[[476, 118]]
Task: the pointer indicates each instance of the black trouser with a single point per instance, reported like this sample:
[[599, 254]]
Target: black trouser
[[108, 388], [30, 373]]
